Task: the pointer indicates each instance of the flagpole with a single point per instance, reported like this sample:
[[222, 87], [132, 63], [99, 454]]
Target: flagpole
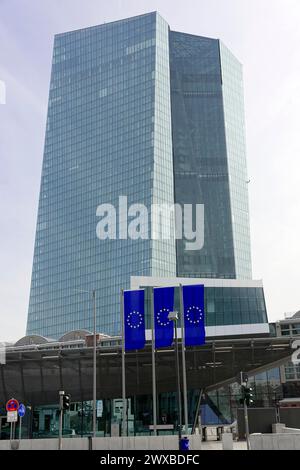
[[153, 366], [185, 401], [124, 410]]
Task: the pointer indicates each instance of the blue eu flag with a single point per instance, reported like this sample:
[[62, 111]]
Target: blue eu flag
[[194, 327], [163, 304], [134, 319]]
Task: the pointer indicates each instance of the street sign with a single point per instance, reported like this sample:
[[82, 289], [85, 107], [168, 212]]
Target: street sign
[[12, 405], [22, 410], [12, 416], [99, 408]]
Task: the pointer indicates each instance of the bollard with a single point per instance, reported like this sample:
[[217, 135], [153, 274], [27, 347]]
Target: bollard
[[227, 441], [184, 444]]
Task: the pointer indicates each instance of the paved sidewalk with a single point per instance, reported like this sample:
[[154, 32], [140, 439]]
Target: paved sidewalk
[[217, 445]]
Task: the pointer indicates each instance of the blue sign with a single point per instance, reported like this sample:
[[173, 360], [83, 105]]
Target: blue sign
[[22, 410]]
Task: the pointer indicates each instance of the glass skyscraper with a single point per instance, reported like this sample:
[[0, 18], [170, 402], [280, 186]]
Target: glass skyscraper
[[135, 110]]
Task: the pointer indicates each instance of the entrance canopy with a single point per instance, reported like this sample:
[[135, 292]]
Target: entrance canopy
[[34, 374]]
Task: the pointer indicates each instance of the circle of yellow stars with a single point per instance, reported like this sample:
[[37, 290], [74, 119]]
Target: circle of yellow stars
[[161, 313], [134, 316], [197, 314]]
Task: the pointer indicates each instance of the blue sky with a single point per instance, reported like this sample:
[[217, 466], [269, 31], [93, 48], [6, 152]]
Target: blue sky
[[263, 34]]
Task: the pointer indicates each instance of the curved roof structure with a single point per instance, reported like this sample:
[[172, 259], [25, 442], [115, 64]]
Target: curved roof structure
[[35, 376], [75, 335], [32, 339]]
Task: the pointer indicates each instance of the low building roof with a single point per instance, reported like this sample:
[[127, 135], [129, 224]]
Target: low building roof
[[34, 375]]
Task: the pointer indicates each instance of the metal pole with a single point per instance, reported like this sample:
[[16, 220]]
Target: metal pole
[[184, 382], [94, 368], [153, 367], [124, 410], [178, 382], [94, 360], [244, 384], [61, 394], [31, 422], [20, 429], [81, 433], [278, 413], [197, 413], [246, 424], [60, 428]]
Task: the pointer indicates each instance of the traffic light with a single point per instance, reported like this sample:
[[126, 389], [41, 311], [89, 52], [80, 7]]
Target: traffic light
[[247, 396], [66, 402]]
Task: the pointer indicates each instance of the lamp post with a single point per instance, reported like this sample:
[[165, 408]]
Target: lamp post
[[60, 431], [173, 316], [93, 292]]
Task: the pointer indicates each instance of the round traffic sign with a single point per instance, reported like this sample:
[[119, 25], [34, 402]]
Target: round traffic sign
[[12, 405], [22, 410]]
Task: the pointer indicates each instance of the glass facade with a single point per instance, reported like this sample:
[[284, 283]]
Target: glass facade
[[140, 111], [108, 134], [290, 372], [235, 306], [225, 306], [220, 406], [234, 116], [209, 154], [217, 407]]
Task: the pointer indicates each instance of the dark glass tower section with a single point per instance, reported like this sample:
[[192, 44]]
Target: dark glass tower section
[[209, 155]]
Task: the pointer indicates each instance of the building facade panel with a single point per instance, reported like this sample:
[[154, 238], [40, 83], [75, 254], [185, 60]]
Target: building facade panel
[[201, 173], [232, 307], [233, 100], [108, 135]]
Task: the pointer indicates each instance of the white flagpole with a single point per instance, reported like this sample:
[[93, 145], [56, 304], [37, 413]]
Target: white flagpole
[[153, 366], [124, 401], [185, 402]]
